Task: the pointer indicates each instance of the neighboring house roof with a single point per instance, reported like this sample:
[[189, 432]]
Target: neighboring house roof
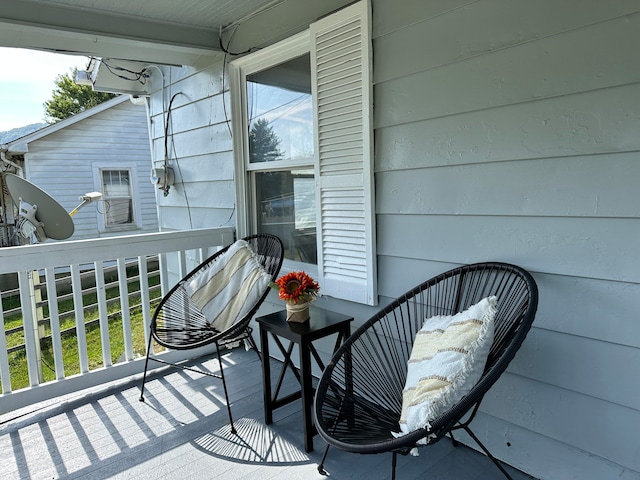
[[20, 145]]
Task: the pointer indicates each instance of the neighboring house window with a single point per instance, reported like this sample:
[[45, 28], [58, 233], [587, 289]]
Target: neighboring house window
[[118, 198], [302, 109]]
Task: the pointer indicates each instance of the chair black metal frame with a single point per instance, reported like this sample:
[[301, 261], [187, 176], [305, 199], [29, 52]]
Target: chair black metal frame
[[178, 324], [359, 396]]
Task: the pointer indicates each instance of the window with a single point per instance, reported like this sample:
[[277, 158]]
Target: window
[[281, 155], [304, 153], [118, 201]]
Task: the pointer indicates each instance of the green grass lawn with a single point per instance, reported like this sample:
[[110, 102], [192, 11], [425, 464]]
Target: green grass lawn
[[70, 357], [17, 360]]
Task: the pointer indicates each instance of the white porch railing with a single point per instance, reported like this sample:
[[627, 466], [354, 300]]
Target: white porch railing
[[178, 252]]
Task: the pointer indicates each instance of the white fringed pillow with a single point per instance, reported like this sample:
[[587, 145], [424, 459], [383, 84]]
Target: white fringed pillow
[[228, 289], [448, 357]]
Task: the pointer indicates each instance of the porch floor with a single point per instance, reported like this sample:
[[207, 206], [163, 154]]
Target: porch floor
[[182, 431]]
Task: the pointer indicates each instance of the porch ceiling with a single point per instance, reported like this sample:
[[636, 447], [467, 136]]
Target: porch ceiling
[[158, 31]]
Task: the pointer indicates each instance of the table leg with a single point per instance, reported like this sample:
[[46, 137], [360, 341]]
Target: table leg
[[266, 376], [307, 396]]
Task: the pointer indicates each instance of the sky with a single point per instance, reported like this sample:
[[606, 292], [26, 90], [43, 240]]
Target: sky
[[26, 82]]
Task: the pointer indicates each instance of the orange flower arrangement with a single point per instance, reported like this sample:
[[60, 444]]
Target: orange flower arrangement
[[296, 287]]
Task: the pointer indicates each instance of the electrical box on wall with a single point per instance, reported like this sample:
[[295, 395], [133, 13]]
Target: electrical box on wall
[[163, 178], [115, 76]]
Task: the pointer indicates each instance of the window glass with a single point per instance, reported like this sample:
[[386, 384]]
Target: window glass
[[280, 112], [280, 121], [116, 191], [286, 208]]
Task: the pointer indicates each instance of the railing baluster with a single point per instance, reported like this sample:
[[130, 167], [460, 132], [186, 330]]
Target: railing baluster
[[54, 322], [4, 358], [30, 328], [124, 307], [145, 297], [81, 333], [182, 264], [101, 295], [164, 273]]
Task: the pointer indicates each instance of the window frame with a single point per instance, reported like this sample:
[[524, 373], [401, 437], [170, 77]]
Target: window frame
[[246, 201], [98, 171]]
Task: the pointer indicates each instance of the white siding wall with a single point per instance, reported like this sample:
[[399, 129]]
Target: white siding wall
[[198, 148], [509, 131], [504, 131], [61, 163]]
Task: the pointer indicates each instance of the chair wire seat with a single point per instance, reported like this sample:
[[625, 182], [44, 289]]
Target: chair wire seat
[[178, 324], [359, 396]]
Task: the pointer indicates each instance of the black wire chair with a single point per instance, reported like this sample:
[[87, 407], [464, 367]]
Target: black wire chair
[[359, 396], [179, 324]]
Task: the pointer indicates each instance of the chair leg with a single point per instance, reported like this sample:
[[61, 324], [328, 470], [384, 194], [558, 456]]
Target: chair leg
[[321, 469], [252, 342], [394, 459], [146, 365], [486, 451], [224, 385]]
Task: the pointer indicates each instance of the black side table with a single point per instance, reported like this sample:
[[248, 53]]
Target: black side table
[[321, 324]]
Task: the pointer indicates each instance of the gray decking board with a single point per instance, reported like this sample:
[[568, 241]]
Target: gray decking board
[[182, 431]]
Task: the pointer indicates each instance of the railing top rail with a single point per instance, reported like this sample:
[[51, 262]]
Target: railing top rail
[[54, 254]]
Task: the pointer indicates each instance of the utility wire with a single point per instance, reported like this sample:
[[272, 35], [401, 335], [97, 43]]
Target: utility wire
[[169, 126], [140, 76]]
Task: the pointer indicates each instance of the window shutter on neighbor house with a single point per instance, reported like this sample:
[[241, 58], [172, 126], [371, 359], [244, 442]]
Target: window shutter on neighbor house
[[341, 54]]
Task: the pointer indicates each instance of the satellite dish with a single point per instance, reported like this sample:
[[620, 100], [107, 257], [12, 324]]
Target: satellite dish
[[40, 216]]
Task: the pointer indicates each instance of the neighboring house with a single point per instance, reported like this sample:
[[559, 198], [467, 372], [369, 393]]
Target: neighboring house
[[502, 130], [104, 149]]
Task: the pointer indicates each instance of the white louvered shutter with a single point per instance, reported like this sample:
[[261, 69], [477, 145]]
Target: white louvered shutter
[[341, 54]]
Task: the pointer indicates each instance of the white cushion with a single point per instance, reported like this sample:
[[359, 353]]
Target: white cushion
[[448, 357], [228, 289]]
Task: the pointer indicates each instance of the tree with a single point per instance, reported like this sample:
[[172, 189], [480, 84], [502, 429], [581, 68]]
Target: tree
[[69, 98], [263, 142]]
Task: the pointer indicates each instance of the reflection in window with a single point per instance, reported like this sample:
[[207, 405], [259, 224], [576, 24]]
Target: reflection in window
[[118, 201], [286, 201], [280, 114]]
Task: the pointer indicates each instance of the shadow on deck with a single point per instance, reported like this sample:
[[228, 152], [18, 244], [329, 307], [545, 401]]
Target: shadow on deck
[[182, 431]]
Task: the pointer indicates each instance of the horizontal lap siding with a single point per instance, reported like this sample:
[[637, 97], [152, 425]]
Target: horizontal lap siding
[[567, 425], [597, 248], [463, 30], [569, 62], [561, 460], [580, 186], [199, 149], [588, 123], [509, 131], [581, 365]]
